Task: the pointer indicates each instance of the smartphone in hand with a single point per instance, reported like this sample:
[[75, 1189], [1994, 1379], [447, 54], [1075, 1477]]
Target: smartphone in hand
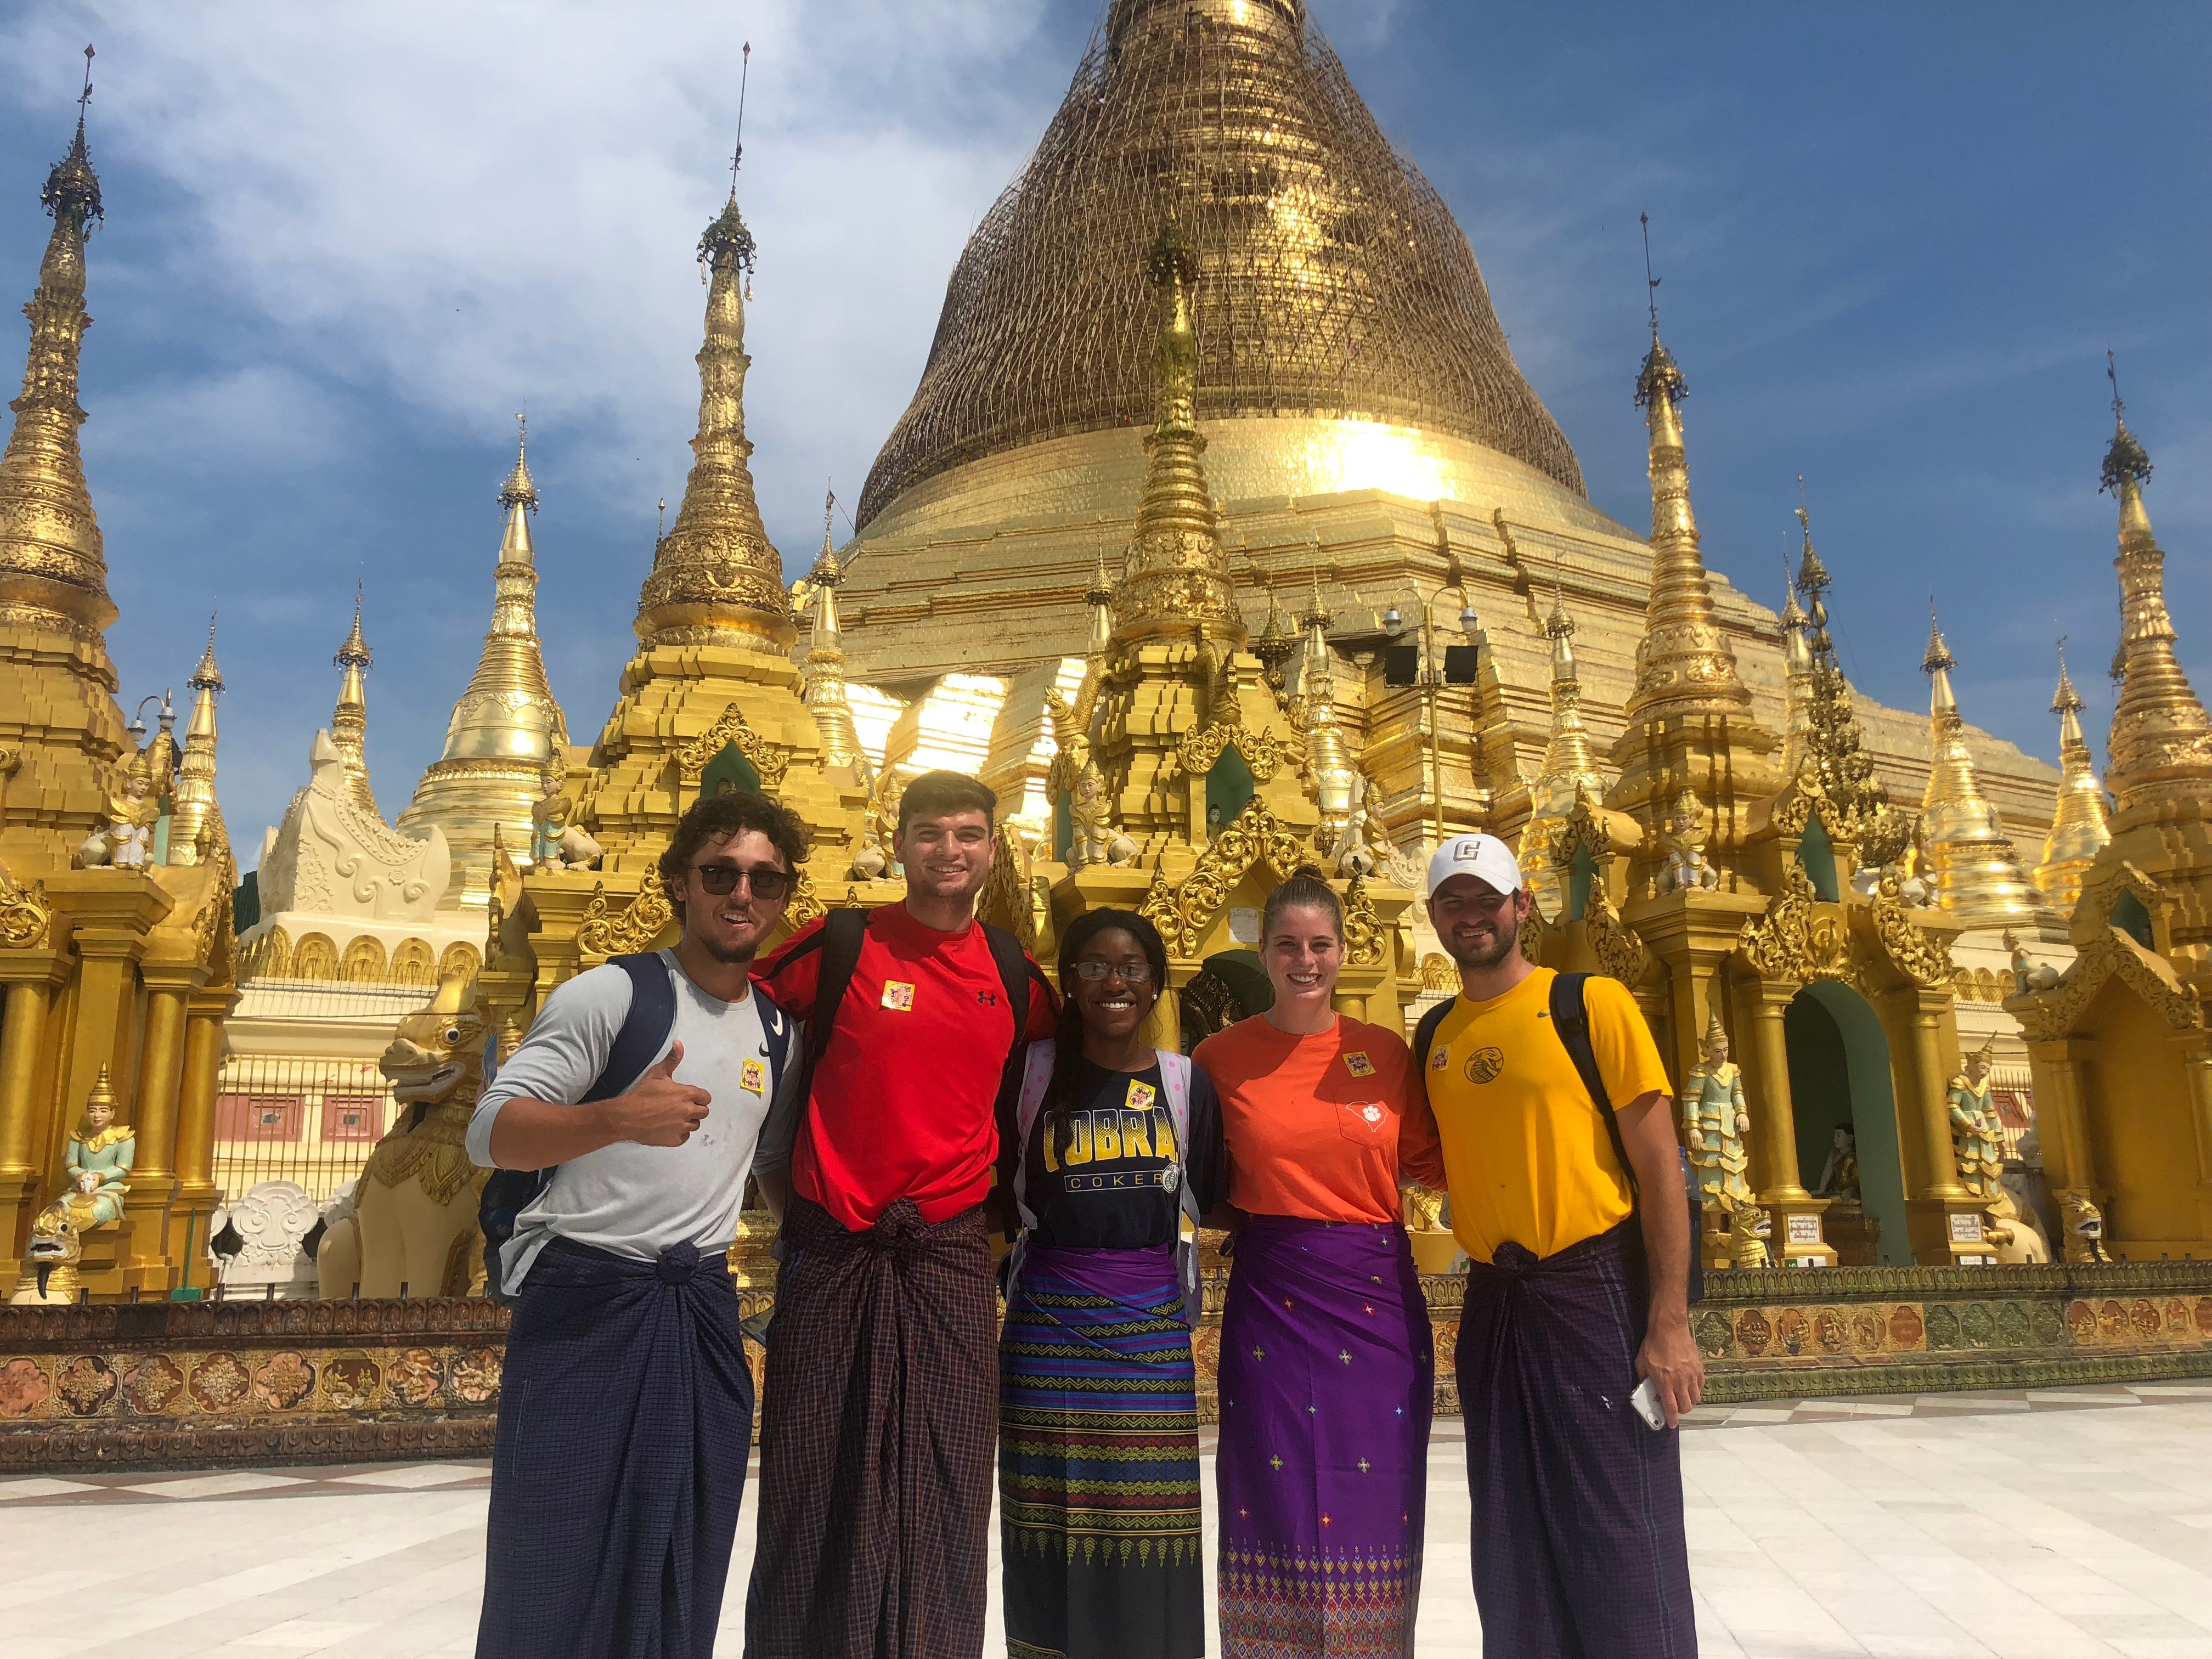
[[1646, 1401]]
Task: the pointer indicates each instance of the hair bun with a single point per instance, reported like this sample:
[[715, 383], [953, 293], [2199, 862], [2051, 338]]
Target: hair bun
[[1308, 872]]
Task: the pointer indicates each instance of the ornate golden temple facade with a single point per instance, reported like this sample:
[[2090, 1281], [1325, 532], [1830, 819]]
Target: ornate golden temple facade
[[1219, 435]]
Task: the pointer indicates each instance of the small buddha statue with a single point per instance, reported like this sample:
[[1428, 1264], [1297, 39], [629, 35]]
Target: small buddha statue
[[1839, 1176], [1715, 1122], [99, 1161], [1977, 1140], [1684, 842]]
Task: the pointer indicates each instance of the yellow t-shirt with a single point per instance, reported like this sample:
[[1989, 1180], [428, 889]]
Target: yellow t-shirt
[[1525, 1150]]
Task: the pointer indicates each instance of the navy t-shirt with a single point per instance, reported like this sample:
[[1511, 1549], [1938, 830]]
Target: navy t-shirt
[[1104, 1175]]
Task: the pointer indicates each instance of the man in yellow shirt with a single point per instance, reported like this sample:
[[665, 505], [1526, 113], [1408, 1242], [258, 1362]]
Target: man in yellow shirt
[[1576, 1288]]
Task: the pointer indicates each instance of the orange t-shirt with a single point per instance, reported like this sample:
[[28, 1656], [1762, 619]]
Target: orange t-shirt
[[1320, 1126]]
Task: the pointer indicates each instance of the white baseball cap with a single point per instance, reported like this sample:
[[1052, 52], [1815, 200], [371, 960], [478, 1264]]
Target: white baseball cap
[[1483, 856]]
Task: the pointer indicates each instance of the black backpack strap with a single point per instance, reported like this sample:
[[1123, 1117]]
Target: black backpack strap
[[645, 1029], [1425, 1033], [1016, 971], [1570, 1019], [843, 932]]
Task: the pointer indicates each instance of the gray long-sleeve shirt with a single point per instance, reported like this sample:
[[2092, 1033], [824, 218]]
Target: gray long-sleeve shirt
[[628, 1199]]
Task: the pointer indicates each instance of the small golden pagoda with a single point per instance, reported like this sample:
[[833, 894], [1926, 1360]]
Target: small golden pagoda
[[507, 744], [116, 957], [1966, 856], [2118, 1045], [1569, 772], [2078, 829]]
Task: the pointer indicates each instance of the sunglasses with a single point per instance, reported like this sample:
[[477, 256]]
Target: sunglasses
[[1132, 973], [768, 885]]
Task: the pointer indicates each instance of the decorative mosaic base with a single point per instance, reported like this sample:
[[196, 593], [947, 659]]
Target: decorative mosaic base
[[153, 1385]]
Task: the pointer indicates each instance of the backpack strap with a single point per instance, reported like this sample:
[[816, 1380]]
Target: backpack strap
[[1174, 1077], [843, 932], [645, 1028], [1570, 1019], [1036, 1078]]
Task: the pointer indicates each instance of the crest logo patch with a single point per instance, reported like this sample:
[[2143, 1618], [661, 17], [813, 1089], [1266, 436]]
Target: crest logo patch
[[1358, 1064], [1142, 1095], [898, 995], [752, 1077], [1484, 1064], [1441, 1059]]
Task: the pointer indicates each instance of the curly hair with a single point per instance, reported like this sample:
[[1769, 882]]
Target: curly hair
[[718, 817]]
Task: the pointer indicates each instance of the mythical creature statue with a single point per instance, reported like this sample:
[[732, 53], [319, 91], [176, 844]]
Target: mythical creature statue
[[1976, 1138], [50, 1260], [1684, 842], [1715, 1122], [2085, 1227], [1747, 1238], [1351, 854], [556, 843], [415, 1209]]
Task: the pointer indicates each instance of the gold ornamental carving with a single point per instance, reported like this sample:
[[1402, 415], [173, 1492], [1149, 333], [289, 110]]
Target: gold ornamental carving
[[1620, 954], [1182, 914], [1796, 942], [1265, 753], [2048, 1016], [806, 903], [1366, 943], [25, 915], [1917, 957], [607, 932], [770, 758]]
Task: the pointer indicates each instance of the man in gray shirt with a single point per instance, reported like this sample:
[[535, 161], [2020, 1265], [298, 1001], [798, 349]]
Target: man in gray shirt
[[626, 1405]]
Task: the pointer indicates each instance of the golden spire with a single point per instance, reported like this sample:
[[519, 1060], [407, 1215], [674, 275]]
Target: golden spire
[[824, 662], [1832, 739], [1683, 664], [2078, 829], [1970, 862], [1331, 761], [2162, 740], [195, 817], [716, 578], [50, 558], [350, 720], [1099, 596], [1176, 575], [506, 740], [1797, 679]]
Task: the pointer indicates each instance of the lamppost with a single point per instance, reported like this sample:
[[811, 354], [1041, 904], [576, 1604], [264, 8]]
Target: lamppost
[[1461, 666]]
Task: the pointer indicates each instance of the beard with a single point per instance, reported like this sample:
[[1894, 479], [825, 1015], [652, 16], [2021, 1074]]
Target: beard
[[1506, 940], [732, 954]]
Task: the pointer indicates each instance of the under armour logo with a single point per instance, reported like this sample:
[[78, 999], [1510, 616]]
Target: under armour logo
[[987, 998]]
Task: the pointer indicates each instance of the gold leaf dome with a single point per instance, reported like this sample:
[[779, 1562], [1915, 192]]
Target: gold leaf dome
[[1333, 282]]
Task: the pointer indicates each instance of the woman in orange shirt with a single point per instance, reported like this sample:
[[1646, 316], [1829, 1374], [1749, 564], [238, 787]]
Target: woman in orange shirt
[[1326, 1376]]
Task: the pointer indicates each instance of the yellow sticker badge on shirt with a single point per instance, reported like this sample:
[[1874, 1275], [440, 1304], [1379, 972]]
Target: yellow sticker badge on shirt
[[1441, 1059], [898, 995], [1142, 1095], [1358, 1064], [752, 1077]]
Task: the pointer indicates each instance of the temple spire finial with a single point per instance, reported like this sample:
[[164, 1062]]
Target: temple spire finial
[[350, 719], [1176, 574], [1971, 861], [520, 489], [2079, 827]]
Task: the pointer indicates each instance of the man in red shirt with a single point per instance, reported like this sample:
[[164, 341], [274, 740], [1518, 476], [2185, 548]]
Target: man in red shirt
[[879, 1417]]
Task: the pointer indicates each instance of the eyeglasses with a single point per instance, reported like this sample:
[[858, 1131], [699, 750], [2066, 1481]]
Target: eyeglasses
[[1132, 973], [768, 885]]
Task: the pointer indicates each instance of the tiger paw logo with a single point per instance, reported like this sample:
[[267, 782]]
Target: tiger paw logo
[[1484, 1064]]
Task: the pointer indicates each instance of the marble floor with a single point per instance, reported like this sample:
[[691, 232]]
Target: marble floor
[[2068, 1524]]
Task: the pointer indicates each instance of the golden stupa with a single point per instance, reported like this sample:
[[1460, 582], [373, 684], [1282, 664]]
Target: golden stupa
[[1369, 438]]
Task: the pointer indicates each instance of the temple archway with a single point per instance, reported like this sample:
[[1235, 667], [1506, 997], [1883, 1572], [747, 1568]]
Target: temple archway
[[1839, 1073], [1229, 786]]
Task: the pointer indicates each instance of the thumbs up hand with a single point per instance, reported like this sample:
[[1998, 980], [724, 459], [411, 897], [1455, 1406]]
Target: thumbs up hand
[[659, 1111]]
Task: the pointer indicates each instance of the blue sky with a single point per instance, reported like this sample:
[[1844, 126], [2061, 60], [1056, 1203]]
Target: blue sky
[[343, 246]]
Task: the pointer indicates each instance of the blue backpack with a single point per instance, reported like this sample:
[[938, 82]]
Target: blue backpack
[[644, 1033]]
